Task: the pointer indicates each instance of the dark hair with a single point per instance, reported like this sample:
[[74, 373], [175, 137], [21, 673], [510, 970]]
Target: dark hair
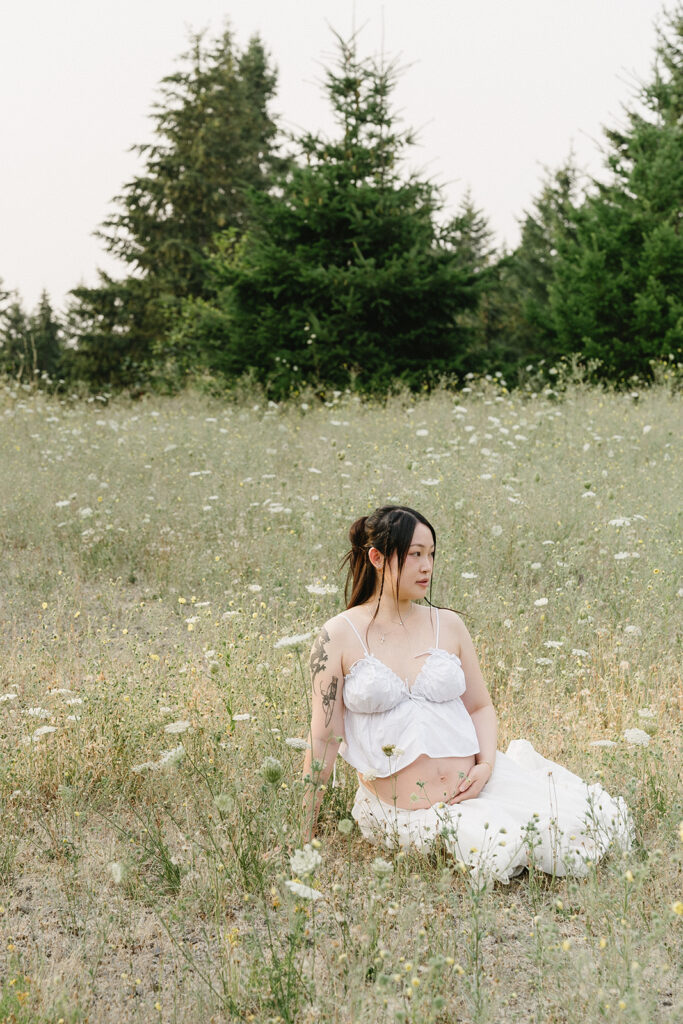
[[390, 529]]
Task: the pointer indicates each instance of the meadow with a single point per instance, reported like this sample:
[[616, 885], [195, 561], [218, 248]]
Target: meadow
[[166, 563]]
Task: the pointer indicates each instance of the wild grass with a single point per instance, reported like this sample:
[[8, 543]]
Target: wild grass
[[154, 554]]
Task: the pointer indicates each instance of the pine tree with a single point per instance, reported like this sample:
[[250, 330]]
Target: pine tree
[[46, 334], [213, 139], [17, 353], [617, 290], [344, 275]]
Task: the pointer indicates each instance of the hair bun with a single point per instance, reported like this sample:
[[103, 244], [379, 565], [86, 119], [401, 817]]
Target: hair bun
[[358, 534]]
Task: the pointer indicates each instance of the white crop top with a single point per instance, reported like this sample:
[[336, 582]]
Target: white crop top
[[383, 711]]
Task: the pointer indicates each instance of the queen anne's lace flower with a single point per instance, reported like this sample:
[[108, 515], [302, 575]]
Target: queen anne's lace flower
[[293, 641], [637, 737], [381, 868], [175, 727], [304, 862], [305, 892]]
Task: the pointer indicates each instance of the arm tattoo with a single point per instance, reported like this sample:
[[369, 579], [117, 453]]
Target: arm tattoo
[[329, 696], [319, 654]]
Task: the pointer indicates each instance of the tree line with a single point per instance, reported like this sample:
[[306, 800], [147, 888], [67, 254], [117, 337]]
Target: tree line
[[308, 261]]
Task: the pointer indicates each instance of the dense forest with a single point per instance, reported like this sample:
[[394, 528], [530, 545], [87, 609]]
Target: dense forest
[[314, 262]]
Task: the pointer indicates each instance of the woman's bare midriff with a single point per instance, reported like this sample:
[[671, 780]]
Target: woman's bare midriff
[[430, 779]]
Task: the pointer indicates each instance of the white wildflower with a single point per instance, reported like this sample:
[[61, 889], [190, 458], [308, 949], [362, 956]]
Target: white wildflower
[[553, 643], [74, 700], [541, 602], [62, 504], [225, 803], [620, 521], [544, 661], [646, 713], [430, 482], [580, 653], [647, 428], [293, 641], [296, 743], [321, 588], [507, 623], [166, 757], [171, 756], [633, 630], [620, 555], [305, 892], [38, 712], [44, 730], [469, 575], [602, 743], [244, 716], [637, 737], [7, 696], [496, 530], [421, 433], [381, 868], [535, 565], [182, 726], [255, 588], [85, 513], [116, 871], [304, 862]]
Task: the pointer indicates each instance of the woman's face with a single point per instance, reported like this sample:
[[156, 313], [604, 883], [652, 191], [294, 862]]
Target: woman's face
[[417, 568]]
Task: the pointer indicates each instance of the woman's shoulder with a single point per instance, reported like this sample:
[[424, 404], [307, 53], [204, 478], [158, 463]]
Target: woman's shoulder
[[337, 628], [452, 630], [449, 617]]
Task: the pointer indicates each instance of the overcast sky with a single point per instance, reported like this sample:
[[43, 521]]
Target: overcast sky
[[497, 89]]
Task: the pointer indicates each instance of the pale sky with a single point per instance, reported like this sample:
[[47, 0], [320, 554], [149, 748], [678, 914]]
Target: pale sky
[[496, 89]]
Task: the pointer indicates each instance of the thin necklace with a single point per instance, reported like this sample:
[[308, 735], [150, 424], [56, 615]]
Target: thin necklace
[[388, 632]]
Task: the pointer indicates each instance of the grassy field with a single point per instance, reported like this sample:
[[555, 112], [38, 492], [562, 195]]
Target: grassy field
[[154, 553]]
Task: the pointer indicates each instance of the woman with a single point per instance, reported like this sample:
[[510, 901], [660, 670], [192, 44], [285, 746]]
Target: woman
[[397, 689]]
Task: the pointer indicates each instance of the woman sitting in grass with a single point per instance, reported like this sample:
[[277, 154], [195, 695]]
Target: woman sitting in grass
[[398, 691]]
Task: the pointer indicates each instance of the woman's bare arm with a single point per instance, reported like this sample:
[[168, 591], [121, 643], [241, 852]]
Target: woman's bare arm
[[327, 721], [478, 702]]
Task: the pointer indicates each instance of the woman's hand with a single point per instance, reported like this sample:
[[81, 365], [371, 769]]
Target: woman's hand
[[473, 783]]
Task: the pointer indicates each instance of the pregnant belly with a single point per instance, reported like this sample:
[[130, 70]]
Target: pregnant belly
[[424, 782]]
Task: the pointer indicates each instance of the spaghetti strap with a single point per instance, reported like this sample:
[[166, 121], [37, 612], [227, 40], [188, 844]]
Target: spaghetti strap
[[436, 643], [356, 632]]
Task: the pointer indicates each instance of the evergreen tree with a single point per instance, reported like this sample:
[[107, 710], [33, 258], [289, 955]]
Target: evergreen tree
[[213, 140], [29, 345], [46, 334], [617, 289], [17, 353], [344, 274], [514, 321]]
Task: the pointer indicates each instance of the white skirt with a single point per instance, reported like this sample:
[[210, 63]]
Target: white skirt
[[531, 811]]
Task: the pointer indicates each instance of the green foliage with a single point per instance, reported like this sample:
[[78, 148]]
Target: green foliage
[[513, 322], [344, 275], [30, 345], [213, 140], [617, 284]]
